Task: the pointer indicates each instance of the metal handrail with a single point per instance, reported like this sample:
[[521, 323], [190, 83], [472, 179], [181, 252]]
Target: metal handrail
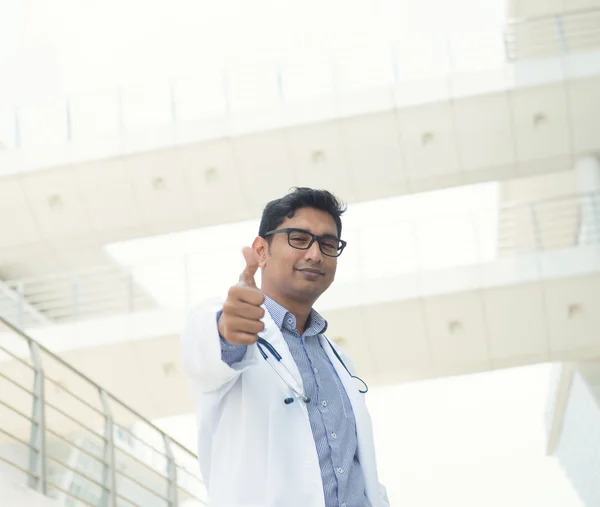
[[42, 459]]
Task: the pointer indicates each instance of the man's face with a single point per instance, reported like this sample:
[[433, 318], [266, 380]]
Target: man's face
[[301, 275]]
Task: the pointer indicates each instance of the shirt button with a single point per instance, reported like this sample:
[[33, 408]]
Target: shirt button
[[334, 435], [316, 370], [324, 403], [340, 471], [343, 505]]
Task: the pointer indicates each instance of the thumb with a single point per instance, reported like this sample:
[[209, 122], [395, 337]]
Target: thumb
[[247, 276]]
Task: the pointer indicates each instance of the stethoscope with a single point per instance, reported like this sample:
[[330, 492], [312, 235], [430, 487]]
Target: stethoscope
[[298, 390]]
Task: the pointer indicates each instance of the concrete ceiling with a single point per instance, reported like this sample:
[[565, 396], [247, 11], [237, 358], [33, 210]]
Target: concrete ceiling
[[58, 219]]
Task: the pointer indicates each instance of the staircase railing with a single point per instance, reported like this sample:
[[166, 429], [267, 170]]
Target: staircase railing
[[68, 438]]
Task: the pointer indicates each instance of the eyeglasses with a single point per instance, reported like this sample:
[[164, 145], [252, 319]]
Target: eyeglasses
[[303, 240]]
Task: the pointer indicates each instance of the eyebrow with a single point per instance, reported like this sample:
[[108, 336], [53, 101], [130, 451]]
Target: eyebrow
[[326, 235]]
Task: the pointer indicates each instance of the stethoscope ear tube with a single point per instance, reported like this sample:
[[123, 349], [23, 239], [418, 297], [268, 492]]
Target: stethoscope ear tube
[[355, 377]]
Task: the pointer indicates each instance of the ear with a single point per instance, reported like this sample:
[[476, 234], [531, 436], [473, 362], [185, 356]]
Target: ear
[[261, 247]]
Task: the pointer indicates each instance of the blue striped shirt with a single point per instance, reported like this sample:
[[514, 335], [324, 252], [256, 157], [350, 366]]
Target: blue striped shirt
[[329, 411]]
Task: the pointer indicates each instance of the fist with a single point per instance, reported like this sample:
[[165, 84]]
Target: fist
[[240, 322]]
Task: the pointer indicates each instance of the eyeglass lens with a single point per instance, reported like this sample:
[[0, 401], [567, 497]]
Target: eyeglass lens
[[301, 240]]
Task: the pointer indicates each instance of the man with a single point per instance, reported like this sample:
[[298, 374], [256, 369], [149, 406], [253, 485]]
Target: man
[[289, 433]]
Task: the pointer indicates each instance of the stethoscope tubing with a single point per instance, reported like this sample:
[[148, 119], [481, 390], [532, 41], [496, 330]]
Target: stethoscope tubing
[[299, 393]]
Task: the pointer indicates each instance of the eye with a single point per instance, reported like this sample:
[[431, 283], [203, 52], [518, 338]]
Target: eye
[[299, 238]]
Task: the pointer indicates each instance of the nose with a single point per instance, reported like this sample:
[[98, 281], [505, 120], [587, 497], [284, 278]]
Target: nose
[[314, 253]]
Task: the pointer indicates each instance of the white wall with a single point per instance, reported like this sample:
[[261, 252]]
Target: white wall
[[579, 445]]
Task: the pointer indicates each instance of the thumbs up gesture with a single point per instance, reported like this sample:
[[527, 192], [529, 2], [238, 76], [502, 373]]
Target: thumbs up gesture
[[240, 321]]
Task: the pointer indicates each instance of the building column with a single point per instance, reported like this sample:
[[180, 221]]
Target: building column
[[587, 171], [588, 174]]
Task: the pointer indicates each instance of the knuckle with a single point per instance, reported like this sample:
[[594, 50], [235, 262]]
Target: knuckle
[[232, 290]]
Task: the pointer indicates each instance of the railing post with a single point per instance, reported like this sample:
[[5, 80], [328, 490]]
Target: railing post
[[226, 92], [120, 110], [280, 89], [537, 232], [21, 306], [75, 296], [560, 28], [186, 282], [171, 473], [505, 38], [131, 291], [68, 119], [595, 216], [37, 442], [17, 119], [580, 227], [109, 475], [173, 100]]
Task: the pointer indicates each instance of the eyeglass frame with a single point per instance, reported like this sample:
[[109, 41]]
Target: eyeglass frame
[[316, 238]]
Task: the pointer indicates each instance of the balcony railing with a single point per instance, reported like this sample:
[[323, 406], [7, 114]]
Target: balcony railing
[[413, 245], [551, 35], [250, 90], [68, 438]]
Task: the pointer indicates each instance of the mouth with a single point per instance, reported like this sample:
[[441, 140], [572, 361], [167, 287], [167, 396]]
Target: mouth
[[312, 273]]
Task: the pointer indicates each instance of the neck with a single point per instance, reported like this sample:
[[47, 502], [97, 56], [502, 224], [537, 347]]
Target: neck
[[299, 310]]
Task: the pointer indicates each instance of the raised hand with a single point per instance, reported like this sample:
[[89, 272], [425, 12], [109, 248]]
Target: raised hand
[[240, 321]]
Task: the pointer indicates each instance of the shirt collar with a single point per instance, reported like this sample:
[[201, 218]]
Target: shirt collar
[[316, 324]]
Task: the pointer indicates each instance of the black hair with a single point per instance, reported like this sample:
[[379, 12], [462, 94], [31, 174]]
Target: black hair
[[277, 211]]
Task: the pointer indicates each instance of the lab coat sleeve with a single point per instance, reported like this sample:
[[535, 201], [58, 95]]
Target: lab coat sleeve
[[384, 495], [201, 351]]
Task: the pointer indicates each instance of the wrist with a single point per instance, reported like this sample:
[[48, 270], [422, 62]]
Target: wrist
[[220, 326]]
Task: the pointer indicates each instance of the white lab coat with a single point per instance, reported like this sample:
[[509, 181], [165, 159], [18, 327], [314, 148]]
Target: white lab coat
[[254, 450]]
